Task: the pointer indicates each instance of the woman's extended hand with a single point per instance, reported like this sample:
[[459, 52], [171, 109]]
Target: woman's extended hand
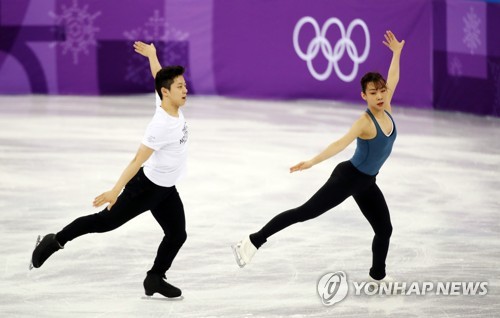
[[302, 166], [392, 43]]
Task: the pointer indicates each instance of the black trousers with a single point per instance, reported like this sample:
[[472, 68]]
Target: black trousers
[[139, 195], [345, 181]]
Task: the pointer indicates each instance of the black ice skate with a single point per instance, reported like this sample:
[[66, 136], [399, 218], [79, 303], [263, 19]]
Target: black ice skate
[[44, 249], [154, 283]]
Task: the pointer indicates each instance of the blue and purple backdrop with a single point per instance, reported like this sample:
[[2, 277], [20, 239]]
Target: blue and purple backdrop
[[278, 49]]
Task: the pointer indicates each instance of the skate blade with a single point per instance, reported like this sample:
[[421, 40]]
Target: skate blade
[[237, 257], [38, 240], [161, 298]]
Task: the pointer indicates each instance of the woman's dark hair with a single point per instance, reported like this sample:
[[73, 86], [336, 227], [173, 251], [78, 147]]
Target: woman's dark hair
[[375, 78], [166, 76]]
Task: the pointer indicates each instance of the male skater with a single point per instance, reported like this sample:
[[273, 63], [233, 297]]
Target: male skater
[[147, 183]]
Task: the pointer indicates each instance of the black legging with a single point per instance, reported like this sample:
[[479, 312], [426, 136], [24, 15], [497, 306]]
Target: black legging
[[345, 181], [139, 195]]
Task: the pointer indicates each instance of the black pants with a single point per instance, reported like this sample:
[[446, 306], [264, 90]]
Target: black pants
[[345, 181], [139, 195]]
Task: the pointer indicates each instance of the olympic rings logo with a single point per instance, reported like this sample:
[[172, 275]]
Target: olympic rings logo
[[333, 55]]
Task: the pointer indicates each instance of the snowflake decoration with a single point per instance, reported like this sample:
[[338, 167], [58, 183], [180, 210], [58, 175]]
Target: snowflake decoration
[[455, 67], [79, 29], [156, 30], [471, 30]]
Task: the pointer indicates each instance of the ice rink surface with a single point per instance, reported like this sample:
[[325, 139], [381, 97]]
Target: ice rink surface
[[442, 185]]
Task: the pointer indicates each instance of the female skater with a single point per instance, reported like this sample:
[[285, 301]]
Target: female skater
[[375, 132], [148, 182]]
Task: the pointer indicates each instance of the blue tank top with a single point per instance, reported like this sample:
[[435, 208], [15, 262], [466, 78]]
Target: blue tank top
[[371, 154]]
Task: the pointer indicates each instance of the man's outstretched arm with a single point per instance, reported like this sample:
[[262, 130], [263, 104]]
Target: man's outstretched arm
[[149, 51]]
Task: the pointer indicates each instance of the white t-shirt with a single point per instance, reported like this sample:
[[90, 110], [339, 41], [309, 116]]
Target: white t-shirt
[[168, 137]]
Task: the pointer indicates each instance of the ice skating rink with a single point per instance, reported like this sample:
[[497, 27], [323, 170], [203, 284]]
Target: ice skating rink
[[57, 153]]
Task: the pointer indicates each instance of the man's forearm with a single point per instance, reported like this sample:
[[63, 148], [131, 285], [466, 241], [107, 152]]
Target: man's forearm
[[127, 174], [155, 65]]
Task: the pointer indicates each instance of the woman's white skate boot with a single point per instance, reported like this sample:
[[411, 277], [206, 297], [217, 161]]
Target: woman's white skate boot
[[243, 251]]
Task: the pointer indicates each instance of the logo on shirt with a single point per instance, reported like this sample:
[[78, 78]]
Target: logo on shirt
[[185, 134], [151, 139]]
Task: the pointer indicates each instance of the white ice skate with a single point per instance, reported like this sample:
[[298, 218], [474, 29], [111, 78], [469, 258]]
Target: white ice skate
[[377, 284], [243, 251]]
